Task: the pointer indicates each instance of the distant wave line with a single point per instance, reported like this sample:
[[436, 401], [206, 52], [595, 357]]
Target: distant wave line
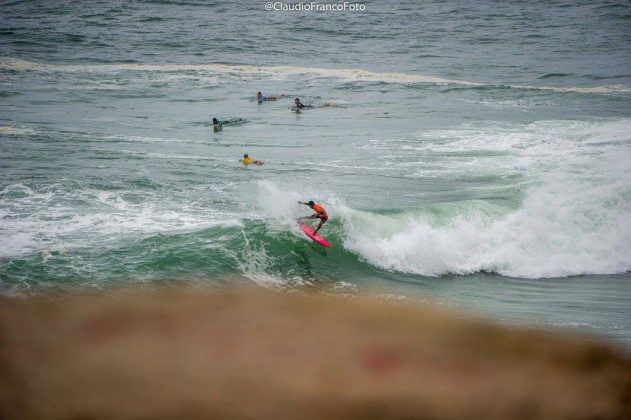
[[7, 63]]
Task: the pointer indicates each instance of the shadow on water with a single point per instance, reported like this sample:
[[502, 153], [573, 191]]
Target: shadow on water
[[318, 249], [304, 264]]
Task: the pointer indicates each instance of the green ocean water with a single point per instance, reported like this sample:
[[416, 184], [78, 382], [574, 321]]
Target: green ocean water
[[476, 156]]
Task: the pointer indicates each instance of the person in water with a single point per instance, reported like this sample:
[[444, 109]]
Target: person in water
[[260, 98], [298, 104], [218, 125], [320, 213], [247, 160]]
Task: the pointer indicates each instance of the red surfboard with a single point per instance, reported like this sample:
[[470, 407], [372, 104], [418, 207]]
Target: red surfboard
[[316, 238]]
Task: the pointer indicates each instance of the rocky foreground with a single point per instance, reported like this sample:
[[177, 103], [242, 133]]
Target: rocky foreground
[[245, 354]]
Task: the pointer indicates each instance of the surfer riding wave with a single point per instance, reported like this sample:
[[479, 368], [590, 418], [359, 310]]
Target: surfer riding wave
[[320, 213]]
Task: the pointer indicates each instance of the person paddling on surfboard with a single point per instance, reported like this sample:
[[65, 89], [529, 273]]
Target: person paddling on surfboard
[[260, 98], [320, 213], [218, 124], [247, 160], [300, 105]]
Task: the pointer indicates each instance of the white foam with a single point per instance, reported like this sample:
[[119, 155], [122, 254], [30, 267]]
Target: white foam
[[572, 220], [15, 131], [280, 207], [57, 220], [8, 63], [595, 89]]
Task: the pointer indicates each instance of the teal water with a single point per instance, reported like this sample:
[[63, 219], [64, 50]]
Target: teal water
[[477, 155]]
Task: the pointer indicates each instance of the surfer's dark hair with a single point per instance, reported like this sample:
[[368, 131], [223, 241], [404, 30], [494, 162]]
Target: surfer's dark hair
[[311, 203]]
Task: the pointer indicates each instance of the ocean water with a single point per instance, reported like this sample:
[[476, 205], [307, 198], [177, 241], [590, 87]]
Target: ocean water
[[478, 154]]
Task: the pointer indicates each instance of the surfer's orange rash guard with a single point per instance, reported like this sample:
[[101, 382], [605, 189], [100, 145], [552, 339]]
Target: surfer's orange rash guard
[[320, 211]]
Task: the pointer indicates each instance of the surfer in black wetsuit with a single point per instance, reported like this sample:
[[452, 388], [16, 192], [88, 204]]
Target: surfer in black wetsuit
[[297, 106]]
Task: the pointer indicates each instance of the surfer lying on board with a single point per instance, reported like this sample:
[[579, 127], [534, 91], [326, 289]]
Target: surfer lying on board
[[260, 98], [300, 105], [320, 213], [248, 160]]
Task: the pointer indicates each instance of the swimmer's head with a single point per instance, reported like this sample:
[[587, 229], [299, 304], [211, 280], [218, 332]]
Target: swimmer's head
[[245, 155], [311, 203], [297, 100], [215, 121]]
